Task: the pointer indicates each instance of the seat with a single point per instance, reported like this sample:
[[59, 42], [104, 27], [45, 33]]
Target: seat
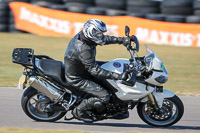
[[53, 69], [56, 71]]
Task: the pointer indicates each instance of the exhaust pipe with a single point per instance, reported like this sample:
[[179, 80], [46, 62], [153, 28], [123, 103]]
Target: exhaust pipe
[[45, 88]]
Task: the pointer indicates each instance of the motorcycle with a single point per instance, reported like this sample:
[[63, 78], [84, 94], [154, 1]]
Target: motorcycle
[[49, 97]]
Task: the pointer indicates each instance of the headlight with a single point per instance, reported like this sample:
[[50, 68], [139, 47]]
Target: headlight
[[161, 79], [149, 63]]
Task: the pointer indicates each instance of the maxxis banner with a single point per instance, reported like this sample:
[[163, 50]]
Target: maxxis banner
[[49, 22]]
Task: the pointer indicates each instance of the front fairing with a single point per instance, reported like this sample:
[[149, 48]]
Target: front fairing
[[155, 65]]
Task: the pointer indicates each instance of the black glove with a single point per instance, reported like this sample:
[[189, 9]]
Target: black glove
[[120, 40], [126, 41], [123, 76], [132, 38]]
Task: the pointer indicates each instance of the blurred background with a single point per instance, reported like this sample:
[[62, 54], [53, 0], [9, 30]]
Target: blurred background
[[176, 11]]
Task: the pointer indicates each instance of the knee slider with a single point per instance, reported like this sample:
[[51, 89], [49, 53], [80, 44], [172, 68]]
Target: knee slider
[[98, 105], [105, 99]]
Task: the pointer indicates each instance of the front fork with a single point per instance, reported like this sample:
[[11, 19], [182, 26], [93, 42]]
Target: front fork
[[157, 98], [153, 102]]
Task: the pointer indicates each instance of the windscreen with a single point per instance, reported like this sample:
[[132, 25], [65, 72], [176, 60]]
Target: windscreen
[[152, 60]]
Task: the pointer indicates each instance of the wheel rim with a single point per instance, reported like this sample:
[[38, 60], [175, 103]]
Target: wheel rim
[[169, 113], [35, 106]]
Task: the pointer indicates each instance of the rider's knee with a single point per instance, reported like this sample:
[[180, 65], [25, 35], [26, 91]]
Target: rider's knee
[[105, 99]]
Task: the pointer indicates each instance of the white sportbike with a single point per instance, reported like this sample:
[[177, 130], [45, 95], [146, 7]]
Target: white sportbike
[[48, 96]]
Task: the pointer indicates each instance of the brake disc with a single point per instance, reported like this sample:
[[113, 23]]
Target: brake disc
[[41, 105]]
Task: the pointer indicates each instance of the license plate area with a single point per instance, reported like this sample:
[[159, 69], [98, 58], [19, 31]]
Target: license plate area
[[22, 82]]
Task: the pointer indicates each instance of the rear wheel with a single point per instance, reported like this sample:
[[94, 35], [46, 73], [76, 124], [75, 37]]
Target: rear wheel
[[170, 113], [34, 103]]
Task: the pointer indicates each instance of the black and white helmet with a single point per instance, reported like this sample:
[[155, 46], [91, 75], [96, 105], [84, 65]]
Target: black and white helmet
[[93, 29]]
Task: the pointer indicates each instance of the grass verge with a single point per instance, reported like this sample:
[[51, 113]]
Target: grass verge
[[182, 63], [28, 130]]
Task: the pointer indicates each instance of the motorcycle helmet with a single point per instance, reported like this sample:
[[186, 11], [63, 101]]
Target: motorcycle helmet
[[93, 29]]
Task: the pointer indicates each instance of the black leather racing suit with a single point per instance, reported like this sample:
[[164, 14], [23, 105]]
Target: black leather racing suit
[[80, 62]]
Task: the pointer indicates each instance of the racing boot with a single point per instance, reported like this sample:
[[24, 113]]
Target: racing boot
[[80, 111]]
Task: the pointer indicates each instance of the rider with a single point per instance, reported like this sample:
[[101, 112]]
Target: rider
[[80, 60]]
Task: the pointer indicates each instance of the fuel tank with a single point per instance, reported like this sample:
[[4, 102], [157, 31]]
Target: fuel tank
[[116, 65]]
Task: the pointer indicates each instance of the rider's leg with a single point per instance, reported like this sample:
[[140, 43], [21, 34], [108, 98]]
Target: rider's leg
[[100, 98]]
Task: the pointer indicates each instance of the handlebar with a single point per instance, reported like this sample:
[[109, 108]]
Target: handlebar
[[129, 39], [132, 50], [127, 42]]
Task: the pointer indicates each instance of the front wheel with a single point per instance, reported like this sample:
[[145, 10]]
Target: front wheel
[[170, 113], [33, 103]]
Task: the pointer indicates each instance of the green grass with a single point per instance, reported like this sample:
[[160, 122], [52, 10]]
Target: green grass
[[183, 63], [28, 130]]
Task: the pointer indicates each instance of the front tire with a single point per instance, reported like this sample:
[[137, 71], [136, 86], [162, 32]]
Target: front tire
[[31, 102], [172, 111]]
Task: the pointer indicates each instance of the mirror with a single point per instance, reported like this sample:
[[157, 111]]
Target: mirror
[[127, 31]]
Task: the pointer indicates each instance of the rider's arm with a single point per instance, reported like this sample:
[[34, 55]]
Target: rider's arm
[[89, 62], [113, 40]]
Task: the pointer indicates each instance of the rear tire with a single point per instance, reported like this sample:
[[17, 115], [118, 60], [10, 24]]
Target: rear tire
[[33, 112], [168, 119]]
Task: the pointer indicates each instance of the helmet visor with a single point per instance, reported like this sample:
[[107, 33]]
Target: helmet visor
[[98, 34]]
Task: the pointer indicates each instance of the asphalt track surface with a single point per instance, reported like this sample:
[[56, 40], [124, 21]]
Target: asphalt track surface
[[12, 115]]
